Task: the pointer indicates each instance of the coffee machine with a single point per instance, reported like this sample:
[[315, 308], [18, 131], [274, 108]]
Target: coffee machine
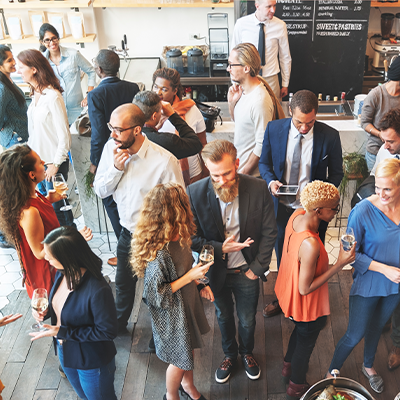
[[219, 43]]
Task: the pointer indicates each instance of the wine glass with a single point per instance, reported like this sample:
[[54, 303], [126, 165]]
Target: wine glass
[[206, 256], [39, 303], [61, 188], [348, 239]]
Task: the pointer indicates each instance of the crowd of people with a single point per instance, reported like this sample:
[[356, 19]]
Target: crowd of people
[[169, 193]]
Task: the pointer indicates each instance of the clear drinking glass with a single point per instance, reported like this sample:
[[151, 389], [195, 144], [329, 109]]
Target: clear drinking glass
[[61, 188], [39, 303], [348, 239], [206, 256]]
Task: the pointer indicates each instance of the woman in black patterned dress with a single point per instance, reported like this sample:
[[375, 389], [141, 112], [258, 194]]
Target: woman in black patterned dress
[[161, 253]]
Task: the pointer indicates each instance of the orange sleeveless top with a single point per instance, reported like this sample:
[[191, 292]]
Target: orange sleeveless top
[[313, 305]]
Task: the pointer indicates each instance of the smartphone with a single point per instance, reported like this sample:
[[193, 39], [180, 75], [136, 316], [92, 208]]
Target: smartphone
[[286, 190]]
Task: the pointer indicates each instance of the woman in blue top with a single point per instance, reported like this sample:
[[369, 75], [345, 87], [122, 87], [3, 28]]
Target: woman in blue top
[[13, 108], [83, 315], [67, 64], [375, 291]]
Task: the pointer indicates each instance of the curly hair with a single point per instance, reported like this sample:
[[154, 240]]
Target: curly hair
[[15, 165], [44, 73], [171, 75], [318, 194], [165, 213]]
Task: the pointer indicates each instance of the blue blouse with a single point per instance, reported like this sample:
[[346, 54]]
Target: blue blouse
[[69, 75], [378, 239], [13, 117]]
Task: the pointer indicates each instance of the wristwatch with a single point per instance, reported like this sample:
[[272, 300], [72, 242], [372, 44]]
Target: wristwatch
[[57, 165]]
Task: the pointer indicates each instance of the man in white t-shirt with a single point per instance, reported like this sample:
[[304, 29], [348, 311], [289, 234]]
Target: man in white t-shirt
[[269, 34], [250, 106]]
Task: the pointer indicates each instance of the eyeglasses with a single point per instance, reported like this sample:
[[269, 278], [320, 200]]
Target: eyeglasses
[[163, 89], [336, 209], [53, 39], [234, 65], [118, 131]]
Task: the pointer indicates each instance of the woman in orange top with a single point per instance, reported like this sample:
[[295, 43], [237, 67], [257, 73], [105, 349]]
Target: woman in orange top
[[301, 286]]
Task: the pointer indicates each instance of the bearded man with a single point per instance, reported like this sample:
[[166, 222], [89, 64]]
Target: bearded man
[[130, 166], [235, 214]]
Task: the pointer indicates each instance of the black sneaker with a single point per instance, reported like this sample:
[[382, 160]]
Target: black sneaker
[[223, 372], [251, 366]]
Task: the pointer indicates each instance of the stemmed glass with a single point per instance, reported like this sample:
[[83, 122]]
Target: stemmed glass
[[61, 188], [348, 239], [206, 256], [39, 303]]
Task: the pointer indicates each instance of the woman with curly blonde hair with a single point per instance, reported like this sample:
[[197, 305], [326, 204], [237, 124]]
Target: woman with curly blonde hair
[[161, 253], [301, 286]]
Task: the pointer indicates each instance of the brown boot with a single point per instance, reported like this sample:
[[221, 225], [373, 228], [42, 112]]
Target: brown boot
[[394, 358], [286, 371], [272, 309], [295, 390]]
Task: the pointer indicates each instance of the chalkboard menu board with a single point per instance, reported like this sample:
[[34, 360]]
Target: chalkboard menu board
[[327, 41]]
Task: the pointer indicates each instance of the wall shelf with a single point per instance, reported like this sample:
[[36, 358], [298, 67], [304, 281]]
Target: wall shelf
[[33, 39], [386, 4], [46, 4], [157, 4]]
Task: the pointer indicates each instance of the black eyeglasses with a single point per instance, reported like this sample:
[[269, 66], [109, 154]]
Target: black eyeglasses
[[336, 209], [234, 65], [118, 131], [53, 39]]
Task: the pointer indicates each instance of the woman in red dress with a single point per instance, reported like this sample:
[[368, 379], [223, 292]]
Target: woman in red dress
[[26, 216]]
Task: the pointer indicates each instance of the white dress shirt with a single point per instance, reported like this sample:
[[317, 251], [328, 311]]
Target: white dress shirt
[[150, 166], [383, 154], [276, 43], [48, 127], [305, 162]]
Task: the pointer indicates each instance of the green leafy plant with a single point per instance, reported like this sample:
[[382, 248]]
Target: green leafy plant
[[354, 168], [88, 183], [338, 397]]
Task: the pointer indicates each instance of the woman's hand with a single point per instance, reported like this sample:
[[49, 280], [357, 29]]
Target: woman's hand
[[86, 233], [207, 293], [50, 172], [346, 257], [39, 316], [392, 273], [53, 196], [51, 331], [199, 271], [7, 319]]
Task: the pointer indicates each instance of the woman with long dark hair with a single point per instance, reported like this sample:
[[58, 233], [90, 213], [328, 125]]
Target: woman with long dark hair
[[83, 315], [67, 65], [49, 133]]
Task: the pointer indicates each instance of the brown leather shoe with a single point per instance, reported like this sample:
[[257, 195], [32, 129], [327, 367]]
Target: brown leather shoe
[[295, 390], [394, 358], [112, 261], [286, 371], [272, 309]]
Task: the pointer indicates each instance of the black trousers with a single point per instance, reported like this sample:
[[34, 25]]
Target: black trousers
[[112, 212]]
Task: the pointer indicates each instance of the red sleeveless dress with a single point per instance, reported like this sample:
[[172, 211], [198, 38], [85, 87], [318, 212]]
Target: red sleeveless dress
[[39, 273]]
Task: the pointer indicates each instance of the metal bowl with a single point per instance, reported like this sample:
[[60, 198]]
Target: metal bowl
[[345, 385]]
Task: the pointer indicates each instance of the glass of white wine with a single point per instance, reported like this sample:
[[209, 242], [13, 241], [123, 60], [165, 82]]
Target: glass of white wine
[[61, 188], [39, 303], [348, 239], [206, 256]]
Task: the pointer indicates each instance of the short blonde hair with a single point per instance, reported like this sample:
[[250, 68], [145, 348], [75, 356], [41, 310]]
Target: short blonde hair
[[390, 167], [318, 194]]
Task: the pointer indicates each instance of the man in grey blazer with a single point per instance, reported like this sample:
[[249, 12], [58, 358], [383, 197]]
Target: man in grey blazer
[[235, 214]]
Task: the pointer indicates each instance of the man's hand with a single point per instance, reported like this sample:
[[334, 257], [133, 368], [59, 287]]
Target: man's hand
[[92, 169], [274, 186], [7, 319], [50, 172], [284, 92], [249, 273], [84, 102], [234, 94], [207, 293], [120, 157], [229, 246], [167, 109]]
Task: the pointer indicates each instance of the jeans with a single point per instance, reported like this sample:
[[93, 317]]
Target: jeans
[[64, 217], [370, 158], [367, 317], [125, 281], [396, 326], [245, 292], [91, 384], [301, 345]]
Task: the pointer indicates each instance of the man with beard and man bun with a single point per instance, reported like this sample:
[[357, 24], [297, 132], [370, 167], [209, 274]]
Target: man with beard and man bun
[[235, 214], [130, 166]]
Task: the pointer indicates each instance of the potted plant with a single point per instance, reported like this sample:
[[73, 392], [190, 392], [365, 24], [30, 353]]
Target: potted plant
[[354, 168]]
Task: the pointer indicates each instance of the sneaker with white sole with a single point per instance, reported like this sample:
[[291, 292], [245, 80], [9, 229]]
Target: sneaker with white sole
[[251, 366], [223, 372]]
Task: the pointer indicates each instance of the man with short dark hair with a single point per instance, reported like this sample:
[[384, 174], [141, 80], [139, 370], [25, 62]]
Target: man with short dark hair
[[102, 101], [233, 213], [183, 144], [296, 151], [129, 168]]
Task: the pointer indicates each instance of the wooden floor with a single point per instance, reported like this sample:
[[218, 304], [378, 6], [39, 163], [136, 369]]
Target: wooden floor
[[30, 370]]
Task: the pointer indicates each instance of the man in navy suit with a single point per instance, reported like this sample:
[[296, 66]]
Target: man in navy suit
[[102, 101], [319, 157]]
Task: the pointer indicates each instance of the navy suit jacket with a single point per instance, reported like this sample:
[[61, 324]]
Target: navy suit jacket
[[102, 101], [326, 163], [257, 221]]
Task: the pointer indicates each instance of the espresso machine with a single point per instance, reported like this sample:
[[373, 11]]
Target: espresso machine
[[219, 43]]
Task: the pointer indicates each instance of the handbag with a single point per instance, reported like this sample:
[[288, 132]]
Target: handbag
[[210, 115], [82, 125]]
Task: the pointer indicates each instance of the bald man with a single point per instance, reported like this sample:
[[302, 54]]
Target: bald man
[[130, 166]]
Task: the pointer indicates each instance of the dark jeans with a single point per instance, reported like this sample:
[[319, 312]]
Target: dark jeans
[[396, 326], [64, 217], [282, 219], [245, 292], [125, 281], [112, 212], [367, 317], [301, 345]]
